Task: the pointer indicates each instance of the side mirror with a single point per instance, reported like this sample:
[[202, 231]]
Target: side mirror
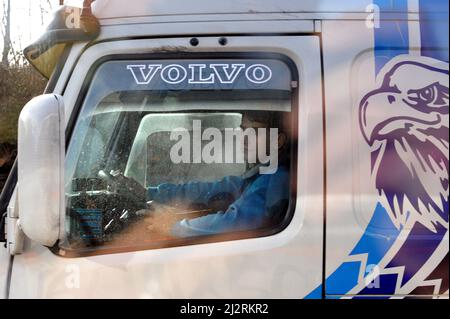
[[41, 150]]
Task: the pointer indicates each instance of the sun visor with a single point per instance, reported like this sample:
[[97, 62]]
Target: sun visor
[[69, 25]]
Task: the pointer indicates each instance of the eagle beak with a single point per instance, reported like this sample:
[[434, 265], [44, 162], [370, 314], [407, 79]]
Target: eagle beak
[[383, 113]]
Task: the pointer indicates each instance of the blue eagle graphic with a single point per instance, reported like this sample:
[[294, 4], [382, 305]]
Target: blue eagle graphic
[[406, 123]]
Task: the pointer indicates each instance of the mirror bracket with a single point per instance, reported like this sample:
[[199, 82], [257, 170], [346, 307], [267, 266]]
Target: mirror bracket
[[15, 235]]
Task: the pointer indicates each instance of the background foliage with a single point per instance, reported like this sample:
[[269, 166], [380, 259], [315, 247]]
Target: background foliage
[[19, 82]]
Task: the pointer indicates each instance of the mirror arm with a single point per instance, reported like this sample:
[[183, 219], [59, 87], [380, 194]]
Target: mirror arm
[[2, 228]]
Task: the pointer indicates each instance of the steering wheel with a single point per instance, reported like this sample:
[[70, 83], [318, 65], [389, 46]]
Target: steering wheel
[[132, 191], [130, 198]]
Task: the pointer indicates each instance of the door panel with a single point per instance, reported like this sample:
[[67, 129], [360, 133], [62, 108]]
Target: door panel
[[287, 264]]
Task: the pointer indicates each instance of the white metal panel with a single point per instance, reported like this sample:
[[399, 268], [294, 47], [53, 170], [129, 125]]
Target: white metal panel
[[107, 9], [4, 268], [245, 18], [288, 264], [147, 27], [349, 73]]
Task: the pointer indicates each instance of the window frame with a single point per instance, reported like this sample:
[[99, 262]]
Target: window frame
[[207, 239]]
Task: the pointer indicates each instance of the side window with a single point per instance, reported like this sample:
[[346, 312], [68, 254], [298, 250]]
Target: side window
[[94, 148], [178, 152]]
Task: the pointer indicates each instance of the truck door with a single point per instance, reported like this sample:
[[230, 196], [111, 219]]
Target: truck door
[[155, 114]]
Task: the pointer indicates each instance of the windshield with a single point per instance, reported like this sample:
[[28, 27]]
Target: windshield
[[177, 140]]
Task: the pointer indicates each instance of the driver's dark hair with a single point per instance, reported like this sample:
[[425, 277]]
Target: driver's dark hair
[[271, 118]]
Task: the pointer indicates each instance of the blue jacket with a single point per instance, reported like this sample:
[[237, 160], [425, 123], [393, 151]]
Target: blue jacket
[[249, 211]]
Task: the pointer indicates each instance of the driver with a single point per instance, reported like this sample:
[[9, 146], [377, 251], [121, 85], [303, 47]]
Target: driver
[[257, 198]]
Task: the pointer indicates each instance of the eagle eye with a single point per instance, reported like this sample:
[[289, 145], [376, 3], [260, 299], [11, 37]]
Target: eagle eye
[[434, 95]]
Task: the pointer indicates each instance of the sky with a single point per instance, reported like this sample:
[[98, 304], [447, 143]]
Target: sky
[[28, 19]]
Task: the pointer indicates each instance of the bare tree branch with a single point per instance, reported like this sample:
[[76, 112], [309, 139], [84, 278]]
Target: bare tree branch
[[7, 34], [50, 5]]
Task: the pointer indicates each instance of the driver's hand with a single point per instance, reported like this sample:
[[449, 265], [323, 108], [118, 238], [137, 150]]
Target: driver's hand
[[159, 219], [161, 223]]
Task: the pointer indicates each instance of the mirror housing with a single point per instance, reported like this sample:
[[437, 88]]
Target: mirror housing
[[69, 25], [41, 150]]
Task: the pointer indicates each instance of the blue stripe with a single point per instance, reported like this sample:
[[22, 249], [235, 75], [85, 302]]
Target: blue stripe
[[392, 5], [340, 281], [434, 28], [391, 39], [377, 239]]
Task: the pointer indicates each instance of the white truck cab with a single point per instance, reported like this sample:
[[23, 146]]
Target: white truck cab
[[124, 186]]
